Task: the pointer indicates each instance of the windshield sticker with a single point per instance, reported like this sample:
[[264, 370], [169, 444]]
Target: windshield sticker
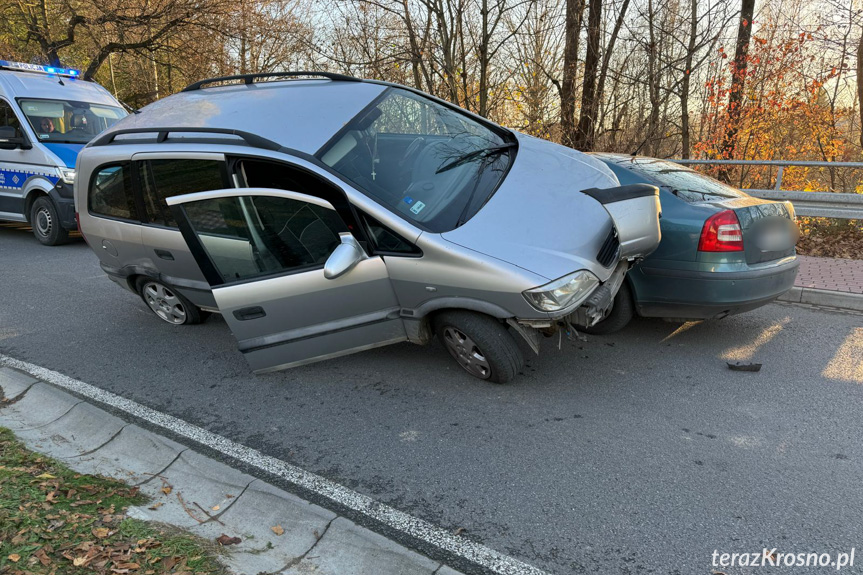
[[409, 200], [418, 207]]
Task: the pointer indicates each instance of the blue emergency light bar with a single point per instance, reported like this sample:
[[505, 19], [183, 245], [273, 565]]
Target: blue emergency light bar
[[39, 69]]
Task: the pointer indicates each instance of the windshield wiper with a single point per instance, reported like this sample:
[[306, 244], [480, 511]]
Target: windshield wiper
[[475, 154]]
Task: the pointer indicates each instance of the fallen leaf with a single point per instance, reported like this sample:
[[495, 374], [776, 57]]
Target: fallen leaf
[[45, 476], [79, 561], [14, 558], [82, 502], [278, 530], [42, 557], [227, 540], [101, 532], [155, 505], [167, 489], [215, 507]]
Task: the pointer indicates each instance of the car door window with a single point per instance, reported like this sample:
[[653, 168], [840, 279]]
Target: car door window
[[8, 117], [111, 193], [251, 236], [162, 179]]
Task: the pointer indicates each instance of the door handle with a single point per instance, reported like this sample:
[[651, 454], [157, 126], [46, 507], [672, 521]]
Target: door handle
[[165, 255], [248, 313]]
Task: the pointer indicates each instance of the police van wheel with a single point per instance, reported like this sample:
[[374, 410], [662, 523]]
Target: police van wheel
[[46, 223]]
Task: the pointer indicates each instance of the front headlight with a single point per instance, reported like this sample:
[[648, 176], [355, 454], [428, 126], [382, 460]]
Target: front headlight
[[564, 292], [67, 175]]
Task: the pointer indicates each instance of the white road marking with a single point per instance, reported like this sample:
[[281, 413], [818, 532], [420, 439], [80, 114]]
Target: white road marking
[[476, 553]]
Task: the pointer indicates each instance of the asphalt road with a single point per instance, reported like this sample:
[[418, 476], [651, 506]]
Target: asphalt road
[[635, 453]]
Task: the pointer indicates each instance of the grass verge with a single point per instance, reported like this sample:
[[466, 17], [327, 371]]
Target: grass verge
[[55, 521]]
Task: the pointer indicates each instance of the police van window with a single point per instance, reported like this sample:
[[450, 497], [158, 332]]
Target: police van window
[[68, 122], [111, 193], [7, 116], [162, 179]]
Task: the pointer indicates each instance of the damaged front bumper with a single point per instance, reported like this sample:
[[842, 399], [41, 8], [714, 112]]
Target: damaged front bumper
[[592, 310]]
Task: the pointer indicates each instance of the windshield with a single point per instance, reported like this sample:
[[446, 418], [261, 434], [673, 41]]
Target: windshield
[[687, 184], [67, 122], [426, 162]]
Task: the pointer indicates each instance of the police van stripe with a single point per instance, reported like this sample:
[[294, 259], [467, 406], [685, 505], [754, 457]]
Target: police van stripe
[[14, 179]]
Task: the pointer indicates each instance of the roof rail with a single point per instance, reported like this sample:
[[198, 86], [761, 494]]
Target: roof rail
[[250, 78], [252, 140]]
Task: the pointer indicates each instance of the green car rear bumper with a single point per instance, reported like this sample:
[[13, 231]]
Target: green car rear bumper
[[661, 289]]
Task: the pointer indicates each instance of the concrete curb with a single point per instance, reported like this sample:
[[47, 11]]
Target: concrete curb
[[205, 496], [838, 299]]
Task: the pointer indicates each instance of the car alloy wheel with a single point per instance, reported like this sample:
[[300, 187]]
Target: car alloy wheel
[[164, 303], [466, 353]]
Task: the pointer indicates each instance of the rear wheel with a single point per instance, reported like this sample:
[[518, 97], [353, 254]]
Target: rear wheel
[[46, 223], [168, 304], [480, 344], [620, 315]]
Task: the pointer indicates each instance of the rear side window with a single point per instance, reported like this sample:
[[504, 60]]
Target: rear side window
[[111, 193], [162, 179]]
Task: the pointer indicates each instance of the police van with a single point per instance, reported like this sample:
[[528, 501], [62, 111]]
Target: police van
[[47, 115]]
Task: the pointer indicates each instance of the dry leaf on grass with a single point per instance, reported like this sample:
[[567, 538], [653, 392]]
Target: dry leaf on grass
[[14, 558], [101, 532], [278, 530]]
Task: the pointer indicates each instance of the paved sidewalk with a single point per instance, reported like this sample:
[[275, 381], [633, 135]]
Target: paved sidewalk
[[830, 282], [831, 274], [281, 533]]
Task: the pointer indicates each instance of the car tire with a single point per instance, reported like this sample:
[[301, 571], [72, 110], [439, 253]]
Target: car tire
[[480, 344], [46, 223], [621, 314], [168, 304]]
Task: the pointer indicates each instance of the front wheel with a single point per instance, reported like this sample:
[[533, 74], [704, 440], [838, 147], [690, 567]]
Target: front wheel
[[480, 344], [620, 315], [46, 223], [168, 304]]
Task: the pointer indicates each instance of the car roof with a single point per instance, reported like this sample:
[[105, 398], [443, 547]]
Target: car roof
[[15, 84], [298, 114]]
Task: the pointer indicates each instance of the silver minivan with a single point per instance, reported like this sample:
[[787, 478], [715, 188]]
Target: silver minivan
[[323, 215]]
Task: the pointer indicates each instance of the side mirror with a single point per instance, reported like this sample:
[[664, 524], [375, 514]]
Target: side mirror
[[11, 138], [346, 255]]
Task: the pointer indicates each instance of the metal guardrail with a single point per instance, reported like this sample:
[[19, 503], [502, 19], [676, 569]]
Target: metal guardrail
[[840, 205]]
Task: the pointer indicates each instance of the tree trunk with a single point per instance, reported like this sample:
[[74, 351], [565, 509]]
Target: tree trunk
[[483, 60], [687, 74], [860, 85], [738, 76], [589, 106], [574, 13]]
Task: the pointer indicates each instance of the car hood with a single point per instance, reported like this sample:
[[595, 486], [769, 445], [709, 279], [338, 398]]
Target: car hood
[[538, 220]]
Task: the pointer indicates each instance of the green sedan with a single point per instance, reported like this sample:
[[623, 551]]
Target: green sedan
[[722, 252]]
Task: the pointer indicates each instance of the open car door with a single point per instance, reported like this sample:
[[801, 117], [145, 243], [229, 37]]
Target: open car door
[[291, 281]]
